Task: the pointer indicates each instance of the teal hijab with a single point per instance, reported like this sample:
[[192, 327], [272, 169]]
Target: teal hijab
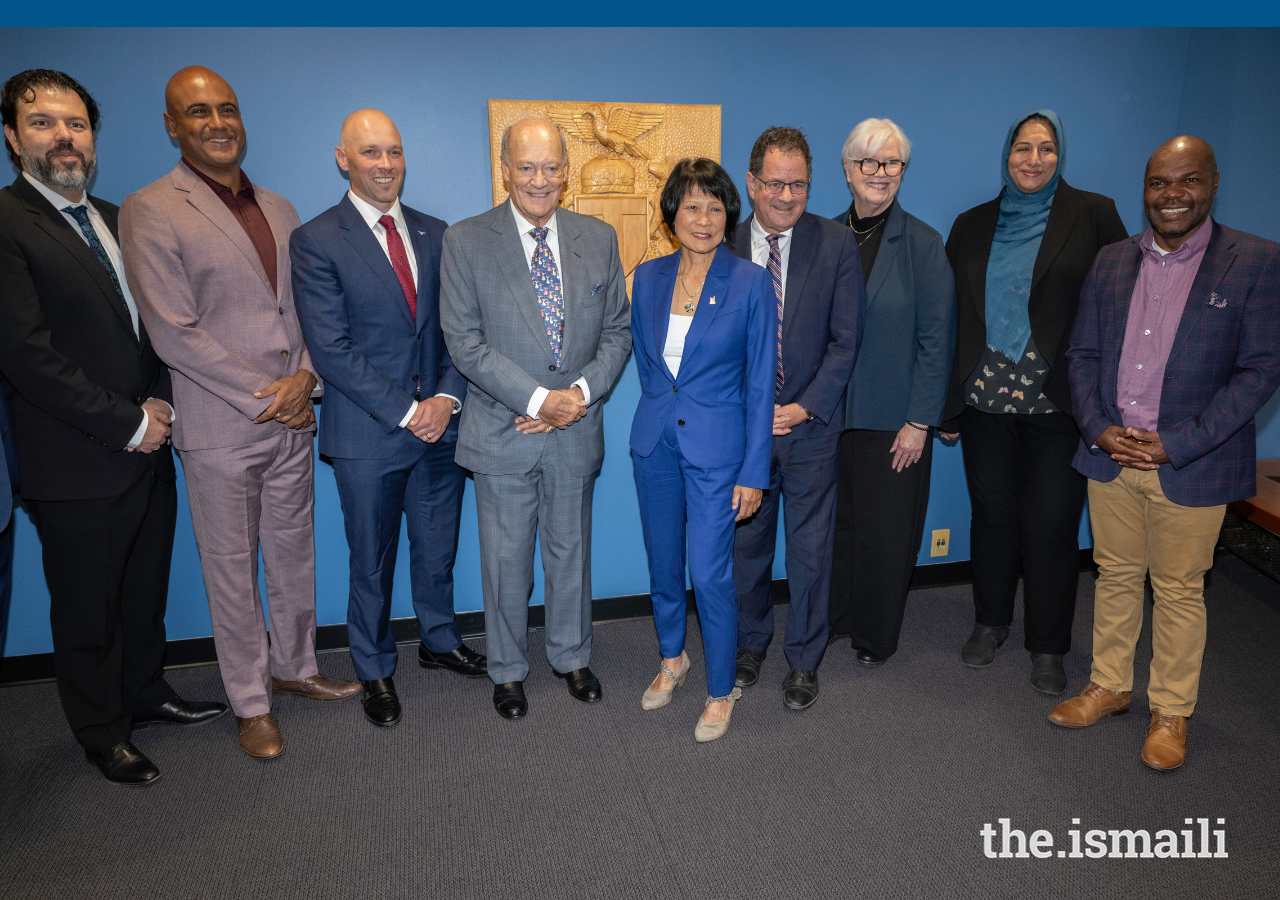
[[1019, 231]]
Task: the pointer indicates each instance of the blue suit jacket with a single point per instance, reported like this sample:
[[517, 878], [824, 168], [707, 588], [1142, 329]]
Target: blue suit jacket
[[374, 358], [8, 465], [723, 398], [1223, 366], [904, 367], [821, 320]]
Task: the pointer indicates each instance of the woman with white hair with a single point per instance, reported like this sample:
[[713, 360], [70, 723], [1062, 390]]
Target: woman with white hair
[[896, 395]]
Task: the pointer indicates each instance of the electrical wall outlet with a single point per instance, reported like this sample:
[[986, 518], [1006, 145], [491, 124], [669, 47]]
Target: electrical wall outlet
[[941, 542]]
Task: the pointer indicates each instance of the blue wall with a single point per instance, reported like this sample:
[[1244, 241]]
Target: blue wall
[[954, 91]]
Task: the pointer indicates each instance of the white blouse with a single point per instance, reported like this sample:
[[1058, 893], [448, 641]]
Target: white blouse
[[673, 351]]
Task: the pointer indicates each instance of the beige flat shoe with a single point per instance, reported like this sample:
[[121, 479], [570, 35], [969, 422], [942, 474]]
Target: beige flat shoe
[[657, 699], [706, 731]]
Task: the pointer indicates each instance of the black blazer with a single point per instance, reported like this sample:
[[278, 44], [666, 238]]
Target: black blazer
[[1080, 224], [73, 370], [821, 321]]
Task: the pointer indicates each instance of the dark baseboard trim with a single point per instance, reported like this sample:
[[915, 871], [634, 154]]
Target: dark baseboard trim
[[38, 667]]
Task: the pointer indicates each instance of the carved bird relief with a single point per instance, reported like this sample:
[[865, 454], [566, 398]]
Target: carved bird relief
[[616, 131]]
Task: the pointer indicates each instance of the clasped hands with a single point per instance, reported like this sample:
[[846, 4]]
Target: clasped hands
[[431, 419], [292, 403], [159, 427], [1132, 448], [559, 410]]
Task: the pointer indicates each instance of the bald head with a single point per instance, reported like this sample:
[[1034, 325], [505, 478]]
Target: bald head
[[369, 151], [1186, 144], [202, 112], [1178, 189]]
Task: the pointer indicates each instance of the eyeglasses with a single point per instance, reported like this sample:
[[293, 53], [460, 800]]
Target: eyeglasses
[[773, 188], [868, 166]]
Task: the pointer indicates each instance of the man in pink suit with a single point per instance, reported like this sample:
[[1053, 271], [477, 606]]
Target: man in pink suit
[[208, 252]]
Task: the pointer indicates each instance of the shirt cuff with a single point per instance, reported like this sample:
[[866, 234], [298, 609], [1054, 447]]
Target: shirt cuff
[[535, 402], [409, 415], [136, 440], [457, 404], [586, 390]]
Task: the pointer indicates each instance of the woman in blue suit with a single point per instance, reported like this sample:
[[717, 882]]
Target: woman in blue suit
[[704, 330]]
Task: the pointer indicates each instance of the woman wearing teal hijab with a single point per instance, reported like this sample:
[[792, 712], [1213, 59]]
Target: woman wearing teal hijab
[[1020, 261]]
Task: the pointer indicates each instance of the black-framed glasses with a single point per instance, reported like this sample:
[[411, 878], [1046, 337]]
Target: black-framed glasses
[[869, 166], [773, 188]]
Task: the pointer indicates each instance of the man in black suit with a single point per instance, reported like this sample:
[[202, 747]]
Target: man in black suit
[[8, 487], [816, 276], [90, 403]]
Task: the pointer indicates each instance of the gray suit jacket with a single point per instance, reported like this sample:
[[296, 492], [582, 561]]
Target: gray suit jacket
[[496, 337]]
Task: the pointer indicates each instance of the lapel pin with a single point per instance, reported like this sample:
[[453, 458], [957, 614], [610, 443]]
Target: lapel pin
[[713, 301]]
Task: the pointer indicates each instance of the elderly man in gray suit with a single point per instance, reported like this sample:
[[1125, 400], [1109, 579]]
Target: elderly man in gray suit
[[533, 306]]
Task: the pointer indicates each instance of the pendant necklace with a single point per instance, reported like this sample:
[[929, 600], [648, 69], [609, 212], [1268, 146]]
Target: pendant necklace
[[690, 304], [868, 232]]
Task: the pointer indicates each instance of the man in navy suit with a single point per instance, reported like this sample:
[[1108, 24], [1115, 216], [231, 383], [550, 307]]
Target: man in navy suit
[[1175, 348], [816, 276], [366, 278], [8, 487]]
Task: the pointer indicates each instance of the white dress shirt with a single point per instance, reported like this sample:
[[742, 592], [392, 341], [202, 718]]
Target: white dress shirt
[[760, 250], [113, 253], [371, 214], [673, 349], [524, 226]]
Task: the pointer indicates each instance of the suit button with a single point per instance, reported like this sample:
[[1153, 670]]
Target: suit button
[[680, 422], [284, 352], [415, 377], [372, 416], [674, 389], [551, 368], [281, 308]]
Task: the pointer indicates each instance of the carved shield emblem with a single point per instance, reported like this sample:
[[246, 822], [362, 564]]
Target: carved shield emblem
[[629, 216]]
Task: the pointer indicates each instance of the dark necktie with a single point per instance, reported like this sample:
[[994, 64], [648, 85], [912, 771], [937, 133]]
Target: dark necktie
[[81, 215], [546, 281], [400, 262], [775, 272]]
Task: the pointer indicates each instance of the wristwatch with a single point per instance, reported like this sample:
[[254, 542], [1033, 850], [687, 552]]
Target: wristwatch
[[808, 416]]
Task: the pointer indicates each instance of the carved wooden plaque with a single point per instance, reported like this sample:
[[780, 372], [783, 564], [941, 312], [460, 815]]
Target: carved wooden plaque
[[619, 157]]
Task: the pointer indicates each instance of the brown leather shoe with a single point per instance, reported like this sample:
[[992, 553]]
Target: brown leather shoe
[[1166, 746], [1092, 704], [260, 736], [317, 687]]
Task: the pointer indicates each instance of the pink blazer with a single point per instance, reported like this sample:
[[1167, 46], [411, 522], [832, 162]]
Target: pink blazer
[[210, 310]]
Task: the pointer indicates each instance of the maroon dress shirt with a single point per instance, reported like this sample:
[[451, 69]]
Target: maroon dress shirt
[[1155, 311], [244, 206]]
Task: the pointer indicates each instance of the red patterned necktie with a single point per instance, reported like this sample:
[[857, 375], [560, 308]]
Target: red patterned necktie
[[775, 272], [400, 262]]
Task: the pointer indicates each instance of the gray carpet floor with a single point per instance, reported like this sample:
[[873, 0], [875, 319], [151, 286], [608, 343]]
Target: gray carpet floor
[[879, 790]]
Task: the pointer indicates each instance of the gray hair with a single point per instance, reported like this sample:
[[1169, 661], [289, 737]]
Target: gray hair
[[506, 137], [868, 136]]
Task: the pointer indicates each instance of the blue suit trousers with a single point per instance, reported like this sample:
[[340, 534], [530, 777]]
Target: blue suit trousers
[[677, 499], [421, 481]]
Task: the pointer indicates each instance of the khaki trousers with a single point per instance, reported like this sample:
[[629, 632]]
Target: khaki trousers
[[1137, 529]]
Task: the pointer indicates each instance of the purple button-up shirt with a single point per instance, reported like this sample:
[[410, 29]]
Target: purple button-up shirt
[[1155, 311]]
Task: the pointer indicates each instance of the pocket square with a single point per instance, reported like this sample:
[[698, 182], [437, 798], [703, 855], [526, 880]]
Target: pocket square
[[1217, 302], [597, 289]]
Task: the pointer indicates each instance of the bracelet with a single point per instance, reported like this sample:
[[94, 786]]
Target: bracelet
[[918, 427]]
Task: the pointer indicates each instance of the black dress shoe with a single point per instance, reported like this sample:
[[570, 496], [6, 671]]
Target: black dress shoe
[[800, 689], [869, 659], [583, 684], [1047, 674], [509, 700], [462, 660], [181, 712], [123, 764], [381, 705], [980, 650], [748, 669]]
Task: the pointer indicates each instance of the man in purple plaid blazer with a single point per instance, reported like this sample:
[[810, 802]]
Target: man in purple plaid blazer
[[1175, 348]]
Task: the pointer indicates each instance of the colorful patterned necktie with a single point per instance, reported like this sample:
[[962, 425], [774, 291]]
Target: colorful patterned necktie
[[81, 215], [546, 281], [400, 262], [775, 272]]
